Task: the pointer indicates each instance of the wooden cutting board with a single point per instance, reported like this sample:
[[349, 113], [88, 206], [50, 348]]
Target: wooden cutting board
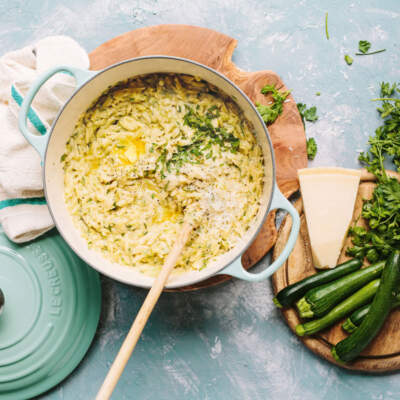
[[215, 50], [383, 354]]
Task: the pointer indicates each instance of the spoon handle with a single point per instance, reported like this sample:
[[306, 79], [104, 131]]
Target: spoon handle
[[144, 313]]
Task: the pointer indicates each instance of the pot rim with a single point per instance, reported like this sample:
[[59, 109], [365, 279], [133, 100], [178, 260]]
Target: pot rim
[[252, 106]]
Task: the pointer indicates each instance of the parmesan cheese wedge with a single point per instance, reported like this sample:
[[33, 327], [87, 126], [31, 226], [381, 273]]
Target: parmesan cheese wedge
[[328, 196]]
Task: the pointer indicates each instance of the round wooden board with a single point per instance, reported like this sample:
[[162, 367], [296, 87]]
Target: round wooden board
[[215, 50], [383, 354]]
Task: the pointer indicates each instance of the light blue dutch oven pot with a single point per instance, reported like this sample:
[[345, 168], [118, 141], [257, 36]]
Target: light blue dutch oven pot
[[51, 145]]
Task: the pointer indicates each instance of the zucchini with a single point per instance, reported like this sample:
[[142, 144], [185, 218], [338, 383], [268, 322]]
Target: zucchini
[[287, 296], [349, 348], [362, 296], [355, 319], [318, 301]]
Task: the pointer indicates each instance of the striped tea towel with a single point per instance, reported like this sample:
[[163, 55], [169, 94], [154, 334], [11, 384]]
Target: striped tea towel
[[23, 211]]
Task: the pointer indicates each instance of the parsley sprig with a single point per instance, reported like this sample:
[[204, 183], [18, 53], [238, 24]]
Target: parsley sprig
[[364, 46], [271, 112], [382, 212], [386, 141], [310, 115]]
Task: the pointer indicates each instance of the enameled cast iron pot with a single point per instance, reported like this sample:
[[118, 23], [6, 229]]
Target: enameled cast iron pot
[[51, 145]]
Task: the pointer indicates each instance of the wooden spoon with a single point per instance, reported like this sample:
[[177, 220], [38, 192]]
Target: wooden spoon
[[144, 313]]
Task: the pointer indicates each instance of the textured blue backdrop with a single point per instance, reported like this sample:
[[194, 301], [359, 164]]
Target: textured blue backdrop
[[230, 342]]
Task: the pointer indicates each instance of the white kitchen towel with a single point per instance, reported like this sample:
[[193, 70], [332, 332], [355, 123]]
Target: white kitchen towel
[[23, 211]]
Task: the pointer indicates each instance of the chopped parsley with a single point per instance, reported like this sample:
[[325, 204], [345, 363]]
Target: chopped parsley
[[308, 114], [311, 148], [348, 59], [382, 212], [206, 135], [364, 46], [270, 113], [386, 140]]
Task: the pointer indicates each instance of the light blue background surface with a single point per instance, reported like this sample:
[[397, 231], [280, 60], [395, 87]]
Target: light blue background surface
[[230, 342]]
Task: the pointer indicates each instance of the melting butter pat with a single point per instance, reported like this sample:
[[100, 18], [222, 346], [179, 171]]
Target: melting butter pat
[[130, 149], [329, 195]]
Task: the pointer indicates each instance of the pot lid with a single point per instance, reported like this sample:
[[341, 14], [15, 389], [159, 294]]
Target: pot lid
[[51, 310]]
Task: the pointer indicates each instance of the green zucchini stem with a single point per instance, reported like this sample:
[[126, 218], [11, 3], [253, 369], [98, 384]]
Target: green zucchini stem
[[276, 302], [300, 331], [335, 356], [304, 308], [349, 326]]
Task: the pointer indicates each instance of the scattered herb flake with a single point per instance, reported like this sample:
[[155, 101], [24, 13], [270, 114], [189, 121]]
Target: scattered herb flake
[[326, 26], [311, 148], [348, 59]]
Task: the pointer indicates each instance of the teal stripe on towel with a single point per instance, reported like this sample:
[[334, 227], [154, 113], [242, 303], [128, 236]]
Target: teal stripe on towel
[[16, 202], [33, 117]]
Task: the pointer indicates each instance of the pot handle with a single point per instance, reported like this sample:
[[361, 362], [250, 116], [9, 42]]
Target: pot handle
[[236, 269], [39, 142]]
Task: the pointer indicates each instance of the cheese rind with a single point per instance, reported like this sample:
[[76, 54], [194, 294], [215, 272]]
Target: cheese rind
[[329, 196]]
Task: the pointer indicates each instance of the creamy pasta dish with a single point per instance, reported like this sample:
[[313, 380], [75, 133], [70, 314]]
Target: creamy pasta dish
[[146, 154]]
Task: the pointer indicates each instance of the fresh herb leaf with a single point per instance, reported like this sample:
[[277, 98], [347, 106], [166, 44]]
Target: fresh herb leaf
[[270, 113], [382, 212], [311, 148], [348, 59], [388, 90], [386, 140], [364, 46], [212, 112], [311, 114], [302, 108], [308, 114]]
